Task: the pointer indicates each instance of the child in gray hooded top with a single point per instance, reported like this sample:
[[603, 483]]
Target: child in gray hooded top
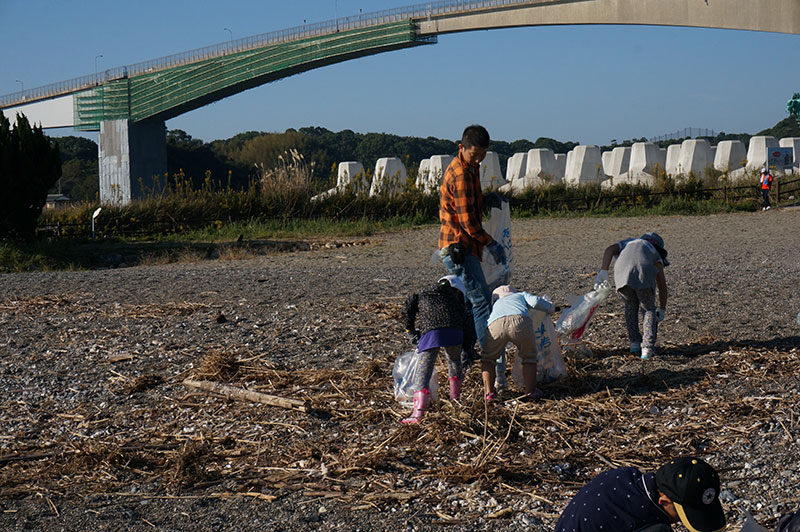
[[638, 271]]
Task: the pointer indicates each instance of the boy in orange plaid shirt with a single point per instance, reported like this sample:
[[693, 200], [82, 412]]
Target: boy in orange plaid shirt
[[461, 236]]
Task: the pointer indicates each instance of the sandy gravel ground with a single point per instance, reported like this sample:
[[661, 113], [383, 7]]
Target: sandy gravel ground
[[73, 344]]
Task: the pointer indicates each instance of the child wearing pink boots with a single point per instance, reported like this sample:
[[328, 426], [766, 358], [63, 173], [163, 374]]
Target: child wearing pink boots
[[437, 318]]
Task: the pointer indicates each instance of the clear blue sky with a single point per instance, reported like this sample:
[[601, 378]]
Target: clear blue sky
[[588, 84]]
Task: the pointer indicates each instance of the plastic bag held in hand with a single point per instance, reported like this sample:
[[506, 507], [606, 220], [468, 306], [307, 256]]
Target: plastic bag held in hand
[[498, 225], [413, 337], [404, 375], [602, 277], [550, 364], [577, 316], [498, 253]]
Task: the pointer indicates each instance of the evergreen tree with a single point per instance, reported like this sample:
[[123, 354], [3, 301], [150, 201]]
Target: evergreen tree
[[29, 166], [79, 169]]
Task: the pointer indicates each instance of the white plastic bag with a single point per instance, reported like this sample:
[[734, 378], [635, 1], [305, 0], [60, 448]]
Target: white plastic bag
[[549, 362], [404, 374], [573, 321], [498, 225]]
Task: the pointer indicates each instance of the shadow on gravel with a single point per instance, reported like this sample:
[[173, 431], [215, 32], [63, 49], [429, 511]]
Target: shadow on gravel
[[114, 254], [643, 377], [640, 381], [703, 348]]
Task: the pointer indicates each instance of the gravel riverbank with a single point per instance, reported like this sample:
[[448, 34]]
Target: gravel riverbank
[[99, 432]]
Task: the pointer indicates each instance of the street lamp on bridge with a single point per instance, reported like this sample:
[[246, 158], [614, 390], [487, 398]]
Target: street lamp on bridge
[[95, 65], [22, 85]]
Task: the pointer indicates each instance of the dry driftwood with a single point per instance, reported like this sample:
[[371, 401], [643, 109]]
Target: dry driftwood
[[247, 395]]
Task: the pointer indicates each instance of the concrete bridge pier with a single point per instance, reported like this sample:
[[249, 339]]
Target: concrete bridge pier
[[130, 154]]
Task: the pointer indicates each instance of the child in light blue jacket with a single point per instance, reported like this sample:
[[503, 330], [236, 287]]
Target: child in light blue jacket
[[510, 321]]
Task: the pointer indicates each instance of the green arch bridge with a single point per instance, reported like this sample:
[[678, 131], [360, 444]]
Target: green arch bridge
[[130, 104]]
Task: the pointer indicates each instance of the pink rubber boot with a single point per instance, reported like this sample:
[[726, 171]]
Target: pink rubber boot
[[421, 400], [455, 388]]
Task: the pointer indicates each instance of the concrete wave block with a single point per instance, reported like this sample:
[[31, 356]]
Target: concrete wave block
[[584, 166], [561, 165], [605, 158], [729, 156], [673, 157], [348, 174], [794, 143], [611, 182], [327, 194], [516, 166], [506, 190], [757, 151], [521, 184], [438, 167], [619, 161], [390, 176], [641, 178], [541, 166], [695, 157], [645, 157], [491, 175], [351, 172], [422, 173], [661, 157]]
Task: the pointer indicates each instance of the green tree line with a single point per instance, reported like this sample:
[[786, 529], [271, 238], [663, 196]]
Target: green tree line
[[232, 162]]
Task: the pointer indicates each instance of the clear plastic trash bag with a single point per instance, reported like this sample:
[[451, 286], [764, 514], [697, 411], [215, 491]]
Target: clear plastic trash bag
[[549, 362], [573, 321], [499, 226], [404, 374]]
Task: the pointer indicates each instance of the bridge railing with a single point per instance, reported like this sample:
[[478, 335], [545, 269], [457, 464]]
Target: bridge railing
[[417, 11]]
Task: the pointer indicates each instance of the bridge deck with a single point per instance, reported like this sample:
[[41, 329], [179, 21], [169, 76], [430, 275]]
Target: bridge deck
[[220, 62]]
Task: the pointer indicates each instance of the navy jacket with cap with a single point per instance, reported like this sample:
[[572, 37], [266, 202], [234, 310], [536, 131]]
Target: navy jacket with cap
[[620, 500]]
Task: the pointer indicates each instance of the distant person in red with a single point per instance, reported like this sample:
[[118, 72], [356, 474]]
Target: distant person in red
[[766, 184]]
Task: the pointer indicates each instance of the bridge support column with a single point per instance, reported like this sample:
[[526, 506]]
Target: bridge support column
[[130, 154]]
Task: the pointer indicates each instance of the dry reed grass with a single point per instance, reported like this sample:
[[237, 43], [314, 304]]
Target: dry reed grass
[[221, 366], [612, 411]]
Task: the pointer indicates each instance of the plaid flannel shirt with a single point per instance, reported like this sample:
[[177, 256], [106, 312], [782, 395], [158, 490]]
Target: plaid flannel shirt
[[461, 207]]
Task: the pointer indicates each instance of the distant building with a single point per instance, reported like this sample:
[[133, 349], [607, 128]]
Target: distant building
[[57, 201]]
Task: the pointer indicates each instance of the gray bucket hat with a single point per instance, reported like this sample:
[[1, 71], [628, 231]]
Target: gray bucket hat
[[658, 243]]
